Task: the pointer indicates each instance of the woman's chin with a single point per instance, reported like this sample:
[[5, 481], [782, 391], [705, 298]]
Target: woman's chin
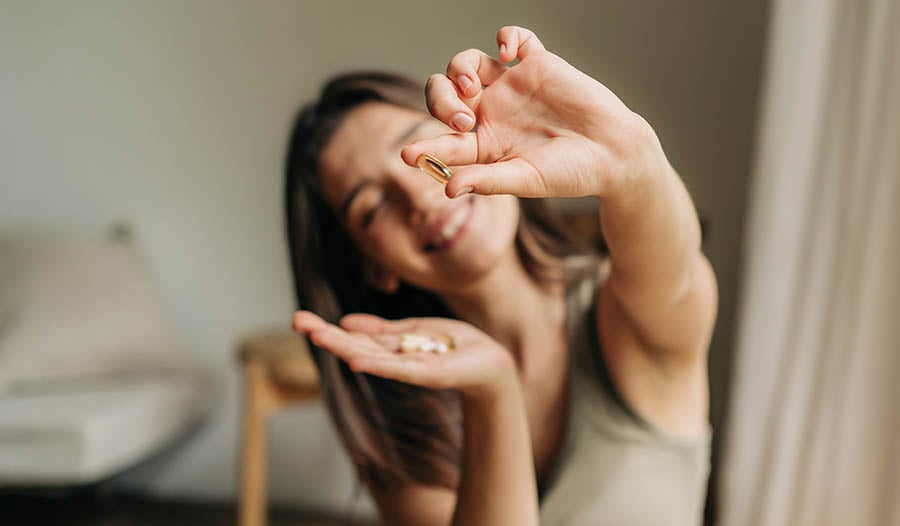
[[471, 259], [482, 243]]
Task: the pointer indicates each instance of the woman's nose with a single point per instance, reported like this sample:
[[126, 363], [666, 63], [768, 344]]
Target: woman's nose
[[424, 195]]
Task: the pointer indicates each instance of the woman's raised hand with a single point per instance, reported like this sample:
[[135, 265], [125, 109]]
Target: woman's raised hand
[[544, 128], [478, 366]]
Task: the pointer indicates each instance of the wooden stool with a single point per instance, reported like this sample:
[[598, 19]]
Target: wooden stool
[[278, 370]]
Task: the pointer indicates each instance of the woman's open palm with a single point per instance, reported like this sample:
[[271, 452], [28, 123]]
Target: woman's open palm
[[370, 344]]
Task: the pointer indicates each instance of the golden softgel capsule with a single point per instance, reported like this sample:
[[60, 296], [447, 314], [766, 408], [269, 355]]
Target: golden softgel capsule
[[435, 168]]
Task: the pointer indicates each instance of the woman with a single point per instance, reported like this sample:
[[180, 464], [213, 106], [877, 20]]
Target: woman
[[576, 392]]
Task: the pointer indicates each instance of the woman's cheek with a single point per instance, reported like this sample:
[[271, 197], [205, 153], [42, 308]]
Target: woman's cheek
[[388, 244]]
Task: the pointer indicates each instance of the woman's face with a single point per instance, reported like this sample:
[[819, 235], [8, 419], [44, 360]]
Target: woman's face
[[400, 217]]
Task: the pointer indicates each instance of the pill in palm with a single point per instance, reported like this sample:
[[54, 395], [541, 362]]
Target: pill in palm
[[411, 342], [441, 343]]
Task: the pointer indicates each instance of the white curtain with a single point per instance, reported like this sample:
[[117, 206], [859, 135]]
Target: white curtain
[[813, 436]]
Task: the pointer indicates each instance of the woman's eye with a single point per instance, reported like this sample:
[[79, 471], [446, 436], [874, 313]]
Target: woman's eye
[[372, 212]]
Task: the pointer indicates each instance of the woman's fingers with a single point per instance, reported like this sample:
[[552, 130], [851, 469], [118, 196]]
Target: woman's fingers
[[347, 346], [373, 325], [453, 98], [369, 344], [445, 104], [388, 332], [369, 324], [453, 149], [305, 321], [341, 342], [517, 42], [473, 69], [375, 354], [515, 176]]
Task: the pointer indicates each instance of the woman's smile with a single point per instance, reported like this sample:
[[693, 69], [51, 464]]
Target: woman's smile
[[450, 225]]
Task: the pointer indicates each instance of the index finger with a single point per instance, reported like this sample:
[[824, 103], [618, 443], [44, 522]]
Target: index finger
[[453, 149]]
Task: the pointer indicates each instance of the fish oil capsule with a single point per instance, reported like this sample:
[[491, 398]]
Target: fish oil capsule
[[446, 341], [435, 168]]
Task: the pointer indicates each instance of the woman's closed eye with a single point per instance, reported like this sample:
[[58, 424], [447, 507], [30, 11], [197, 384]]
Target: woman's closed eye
[[369, 205], [372, 212]]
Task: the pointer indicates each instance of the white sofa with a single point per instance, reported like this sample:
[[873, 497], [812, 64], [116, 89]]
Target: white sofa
[[92, 376]]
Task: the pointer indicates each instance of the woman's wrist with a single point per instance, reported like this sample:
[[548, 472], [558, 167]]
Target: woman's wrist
[[638, 159], [503, 383]]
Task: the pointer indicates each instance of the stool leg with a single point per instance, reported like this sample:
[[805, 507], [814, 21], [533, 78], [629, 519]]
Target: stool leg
[[253, 464]]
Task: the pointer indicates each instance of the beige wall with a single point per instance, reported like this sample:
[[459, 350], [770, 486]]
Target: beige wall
[[174, 115]]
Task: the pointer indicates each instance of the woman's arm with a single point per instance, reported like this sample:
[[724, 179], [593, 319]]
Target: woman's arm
[[658, 305], [497, 484], [660, 279], [545, 129]]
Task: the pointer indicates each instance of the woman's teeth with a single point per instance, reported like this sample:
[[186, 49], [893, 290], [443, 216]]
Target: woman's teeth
[[452, 226]]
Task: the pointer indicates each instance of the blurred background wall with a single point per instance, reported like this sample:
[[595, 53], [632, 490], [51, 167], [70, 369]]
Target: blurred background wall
[[174, 116]]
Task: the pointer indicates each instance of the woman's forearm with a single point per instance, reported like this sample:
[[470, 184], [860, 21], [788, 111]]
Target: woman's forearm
[[497, 485], [651, 226]]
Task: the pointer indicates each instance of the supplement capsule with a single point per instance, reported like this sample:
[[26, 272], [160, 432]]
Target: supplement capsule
[[411, 342], [435, 168], [445, 340]]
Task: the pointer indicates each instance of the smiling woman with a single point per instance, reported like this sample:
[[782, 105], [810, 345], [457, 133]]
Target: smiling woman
[[571, 374], [415, 436]]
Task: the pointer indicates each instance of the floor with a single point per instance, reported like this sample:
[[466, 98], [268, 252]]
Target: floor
[[100, 510]]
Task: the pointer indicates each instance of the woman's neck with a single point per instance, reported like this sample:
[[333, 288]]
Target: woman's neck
[[513, 308]]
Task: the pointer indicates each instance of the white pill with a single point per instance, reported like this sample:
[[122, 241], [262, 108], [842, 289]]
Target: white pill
[[411, 342]]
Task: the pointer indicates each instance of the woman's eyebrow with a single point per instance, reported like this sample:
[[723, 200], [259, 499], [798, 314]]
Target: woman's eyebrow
[[408, 133]]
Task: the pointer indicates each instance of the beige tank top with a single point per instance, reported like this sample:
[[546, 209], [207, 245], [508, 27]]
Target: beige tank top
[[615, 468]]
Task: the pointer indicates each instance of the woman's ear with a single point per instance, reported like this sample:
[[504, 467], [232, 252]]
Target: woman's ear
[[382, 279]]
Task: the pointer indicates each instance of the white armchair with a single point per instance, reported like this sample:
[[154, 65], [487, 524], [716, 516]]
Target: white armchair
[[92, 376]]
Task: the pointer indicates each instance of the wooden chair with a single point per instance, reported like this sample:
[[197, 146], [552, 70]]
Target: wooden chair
[[278, 371]]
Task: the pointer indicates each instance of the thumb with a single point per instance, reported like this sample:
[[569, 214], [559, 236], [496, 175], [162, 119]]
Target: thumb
[[514, 176]]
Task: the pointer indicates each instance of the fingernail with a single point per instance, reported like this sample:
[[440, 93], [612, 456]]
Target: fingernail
[[463, 191], [461, 121], [502, 48], [464, 83]]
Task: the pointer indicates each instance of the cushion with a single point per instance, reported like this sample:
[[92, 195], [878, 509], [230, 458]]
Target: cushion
[[76, 432], [75, 306]]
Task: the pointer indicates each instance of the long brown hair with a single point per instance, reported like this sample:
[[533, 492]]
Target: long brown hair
[[394, 432]]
